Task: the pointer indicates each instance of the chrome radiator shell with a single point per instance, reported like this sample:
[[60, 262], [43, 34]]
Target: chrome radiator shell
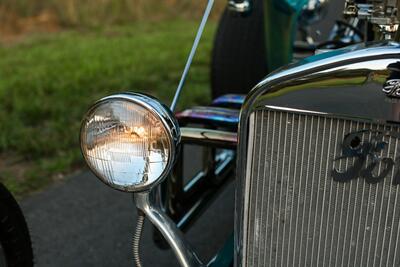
[[302, 217], [346, 84]]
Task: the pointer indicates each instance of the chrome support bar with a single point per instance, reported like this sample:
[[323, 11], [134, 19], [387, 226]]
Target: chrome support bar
[[207, 12], [184, 253], [209, 137]]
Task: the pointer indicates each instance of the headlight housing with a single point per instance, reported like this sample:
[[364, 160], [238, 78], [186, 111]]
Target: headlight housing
[[129, 141]]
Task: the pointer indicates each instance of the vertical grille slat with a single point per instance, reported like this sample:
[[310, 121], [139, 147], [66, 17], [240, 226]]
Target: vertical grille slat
[[290, 241], [348, 206], [361, 225], [297, 215], [259, 173], [317, 210], [313, 156], [303, 238], [393, 220], [354, 219], [276, 199], [271, 208], [265, 196], [289, 194], [326, 255], [258, 215], [326, 159]]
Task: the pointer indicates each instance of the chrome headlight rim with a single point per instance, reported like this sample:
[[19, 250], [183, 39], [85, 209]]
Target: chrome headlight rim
[[159, 110]]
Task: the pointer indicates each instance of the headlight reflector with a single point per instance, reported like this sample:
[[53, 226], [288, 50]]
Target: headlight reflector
[[129, 141]]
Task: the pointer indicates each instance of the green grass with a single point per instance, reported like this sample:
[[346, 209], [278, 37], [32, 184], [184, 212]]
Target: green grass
[[48, 82]]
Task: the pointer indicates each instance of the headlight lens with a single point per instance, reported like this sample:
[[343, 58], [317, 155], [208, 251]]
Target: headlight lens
[[129, 141]]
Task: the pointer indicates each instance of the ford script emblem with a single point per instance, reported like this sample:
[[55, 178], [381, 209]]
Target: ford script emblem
[[354, 147], [392, 88]]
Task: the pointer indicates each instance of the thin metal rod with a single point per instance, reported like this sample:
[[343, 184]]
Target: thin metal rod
[[192, 53]]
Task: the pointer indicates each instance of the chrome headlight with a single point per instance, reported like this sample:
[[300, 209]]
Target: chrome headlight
[[129, 141]]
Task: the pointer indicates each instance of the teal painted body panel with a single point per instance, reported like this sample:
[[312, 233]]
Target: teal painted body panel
[[295, 5], [280, 21], [224, 258]]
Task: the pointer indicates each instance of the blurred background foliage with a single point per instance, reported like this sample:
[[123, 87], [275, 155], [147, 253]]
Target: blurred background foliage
[[18, 16], [58, 56]]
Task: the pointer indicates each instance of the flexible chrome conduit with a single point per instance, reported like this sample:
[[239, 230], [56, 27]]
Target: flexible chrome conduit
[[136, 238]]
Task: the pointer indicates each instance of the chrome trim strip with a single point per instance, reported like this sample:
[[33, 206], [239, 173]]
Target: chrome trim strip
[[295, 110], [208, 137], [352, 78]]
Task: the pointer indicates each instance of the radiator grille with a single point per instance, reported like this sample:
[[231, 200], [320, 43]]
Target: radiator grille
[[297, 215]]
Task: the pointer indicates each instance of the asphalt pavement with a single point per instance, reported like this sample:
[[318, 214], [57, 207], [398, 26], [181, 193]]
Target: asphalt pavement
[[82, 222]]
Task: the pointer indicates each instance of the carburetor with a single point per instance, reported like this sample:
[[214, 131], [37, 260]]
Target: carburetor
[[381, 14]]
